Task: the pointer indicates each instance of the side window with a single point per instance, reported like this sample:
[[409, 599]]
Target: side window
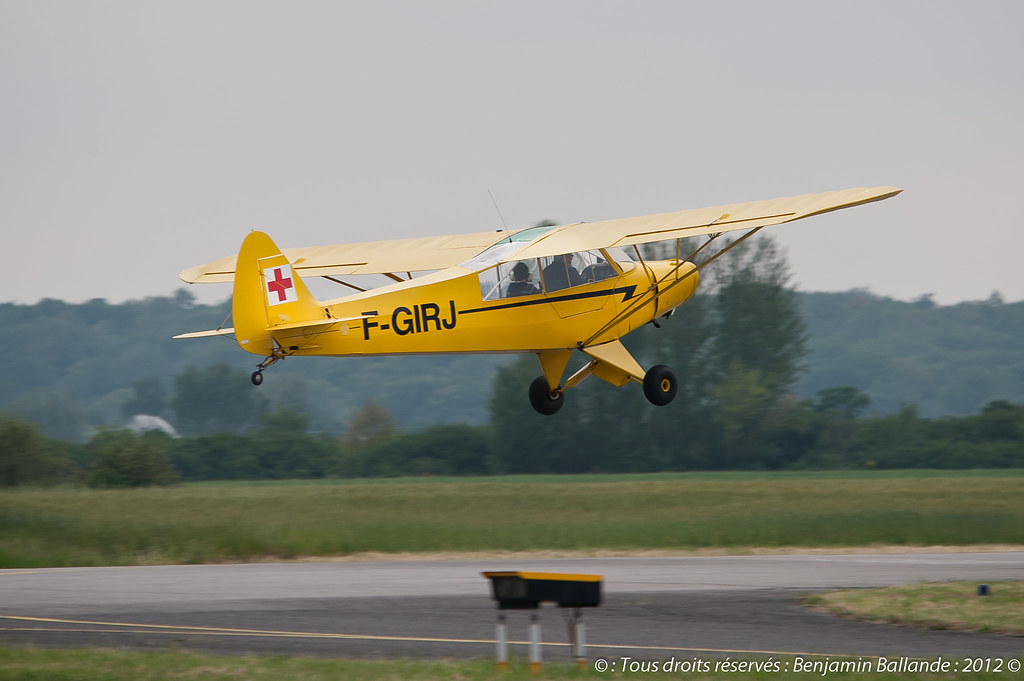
[[510, 279], [575, 269], [523, 278]]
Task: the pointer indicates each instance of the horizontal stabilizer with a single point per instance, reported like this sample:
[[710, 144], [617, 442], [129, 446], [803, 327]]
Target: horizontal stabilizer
[[280, 327], [206, 334], [314, 324]]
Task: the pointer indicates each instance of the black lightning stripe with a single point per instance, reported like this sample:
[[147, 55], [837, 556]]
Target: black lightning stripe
[[626, 291]]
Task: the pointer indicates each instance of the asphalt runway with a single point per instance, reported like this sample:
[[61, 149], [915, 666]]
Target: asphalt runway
[[654, 608]]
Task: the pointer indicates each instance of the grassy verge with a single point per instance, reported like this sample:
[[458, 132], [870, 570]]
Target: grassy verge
[[30, 664], [232, 522], [17, 664], [946, 605]]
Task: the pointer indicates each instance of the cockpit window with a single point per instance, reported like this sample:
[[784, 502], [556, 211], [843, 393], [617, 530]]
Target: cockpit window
[[575, 269]]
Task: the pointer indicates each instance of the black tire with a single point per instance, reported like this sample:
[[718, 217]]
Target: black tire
[[256, 378], [660, 385], [542, 399]]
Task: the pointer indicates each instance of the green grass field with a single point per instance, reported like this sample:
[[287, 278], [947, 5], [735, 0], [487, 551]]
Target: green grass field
[[33, 664], [28, 664], [673, 512]]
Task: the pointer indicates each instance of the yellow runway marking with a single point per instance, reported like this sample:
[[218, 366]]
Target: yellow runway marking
[[20, 572], [185, 630], [134, 627]]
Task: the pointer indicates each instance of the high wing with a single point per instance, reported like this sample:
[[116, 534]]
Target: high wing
[[584, 236], [370, 257], [440, 252]]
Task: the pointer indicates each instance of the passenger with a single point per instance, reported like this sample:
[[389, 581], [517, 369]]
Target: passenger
[[520, 285], [561, 274]]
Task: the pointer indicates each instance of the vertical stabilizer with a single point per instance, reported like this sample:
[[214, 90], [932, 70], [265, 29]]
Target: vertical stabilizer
[[268, 293]]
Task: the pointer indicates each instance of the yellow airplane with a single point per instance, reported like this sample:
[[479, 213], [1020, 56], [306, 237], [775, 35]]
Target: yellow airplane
[[548, 290]]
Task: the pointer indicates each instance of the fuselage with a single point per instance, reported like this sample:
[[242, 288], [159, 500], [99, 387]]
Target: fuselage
[[455, 311]]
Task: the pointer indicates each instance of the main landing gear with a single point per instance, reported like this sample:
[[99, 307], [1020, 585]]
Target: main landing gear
[[660, 388], [543, 399], [660, 385]]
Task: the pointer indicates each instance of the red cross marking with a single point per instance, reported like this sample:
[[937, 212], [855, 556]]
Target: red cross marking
[[279, 285]]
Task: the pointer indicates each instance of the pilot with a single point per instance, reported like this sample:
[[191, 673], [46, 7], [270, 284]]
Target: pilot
[[520, 285], [561, 274], [599, 271]]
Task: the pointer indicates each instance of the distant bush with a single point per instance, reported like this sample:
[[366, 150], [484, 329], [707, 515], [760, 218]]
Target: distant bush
[[124, 459], [225, 456], [27, 456], [441, 450]]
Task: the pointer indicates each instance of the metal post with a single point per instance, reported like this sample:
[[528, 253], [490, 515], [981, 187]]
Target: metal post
[[579, 638], [502, 641], [535, 661]]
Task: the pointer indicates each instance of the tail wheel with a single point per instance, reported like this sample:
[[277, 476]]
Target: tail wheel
[[542, 399], [660, 385]]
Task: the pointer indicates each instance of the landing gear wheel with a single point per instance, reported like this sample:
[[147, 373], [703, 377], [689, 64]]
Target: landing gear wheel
[[256, 378], [542, 399], [660, 385]]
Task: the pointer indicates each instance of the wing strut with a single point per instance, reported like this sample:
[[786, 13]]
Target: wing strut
[[344, 283], [645, 298]]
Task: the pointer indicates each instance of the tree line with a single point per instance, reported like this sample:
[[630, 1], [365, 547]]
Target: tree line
[[826, 433], [738, 352]]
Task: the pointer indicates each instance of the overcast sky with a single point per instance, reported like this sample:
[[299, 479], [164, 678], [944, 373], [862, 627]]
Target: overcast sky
[[140, 138]]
